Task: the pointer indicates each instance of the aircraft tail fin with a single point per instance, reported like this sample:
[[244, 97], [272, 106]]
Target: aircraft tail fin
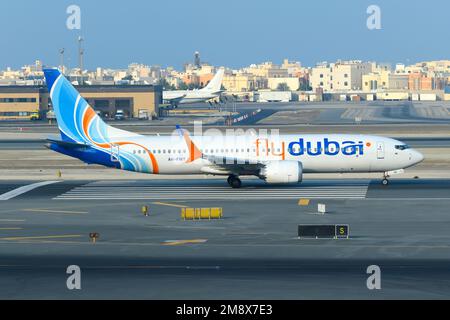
[[77, 120], [216, 83]]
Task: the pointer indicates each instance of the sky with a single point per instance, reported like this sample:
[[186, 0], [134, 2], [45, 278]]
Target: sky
[[232, 33]]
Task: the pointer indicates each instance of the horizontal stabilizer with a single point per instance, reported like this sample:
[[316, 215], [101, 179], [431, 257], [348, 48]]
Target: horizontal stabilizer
[[67, 144]]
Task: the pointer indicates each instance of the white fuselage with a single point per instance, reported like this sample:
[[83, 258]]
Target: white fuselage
[[317, 153], [189, 96]]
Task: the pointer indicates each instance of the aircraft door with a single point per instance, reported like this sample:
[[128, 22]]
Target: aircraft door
[[380, 150], [115, 152]]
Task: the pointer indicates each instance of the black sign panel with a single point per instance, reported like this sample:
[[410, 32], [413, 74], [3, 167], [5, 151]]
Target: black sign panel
[[342, 231], [323, 231], [317, 231]]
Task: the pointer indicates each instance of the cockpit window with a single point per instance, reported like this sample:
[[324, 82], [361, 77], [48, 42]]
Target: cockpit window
[[402, 147]]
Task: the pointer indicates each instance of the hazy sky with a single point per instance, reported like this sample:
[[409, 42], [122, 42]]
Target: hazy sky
[[234, 33]]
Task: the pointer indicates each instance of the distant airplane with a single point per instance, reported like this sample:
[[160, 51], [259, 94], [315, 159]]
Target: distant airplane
[[278, 160], [211, 91]]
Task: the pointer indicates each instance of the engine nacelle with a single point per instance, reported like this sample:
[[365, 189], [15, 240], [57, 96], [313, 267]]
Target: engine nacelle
[[282, 172]]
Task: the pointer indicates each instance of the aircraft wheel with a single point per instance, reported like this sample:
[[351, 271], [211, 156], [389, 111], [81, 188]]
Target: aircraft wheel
[[234, 182], [385, 182]]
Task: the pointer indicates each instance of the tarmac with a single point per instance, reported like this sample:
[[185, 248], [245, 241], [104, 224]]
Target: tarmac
[[50, 204], [252, 253]]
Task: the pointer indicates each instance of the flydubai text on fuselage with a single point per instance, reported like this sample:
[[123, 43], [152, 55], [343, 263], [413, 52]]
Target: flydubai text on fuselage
[[276, 159]]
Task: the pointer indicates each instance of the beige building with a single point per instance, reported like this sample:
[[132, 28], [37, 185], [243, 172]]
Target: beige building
[[398, 81], [293, 67], [266, 70], [341, 76], [20, 102], [243, 82], [17, 103], [321, 77], [291, 82], [375, 81]]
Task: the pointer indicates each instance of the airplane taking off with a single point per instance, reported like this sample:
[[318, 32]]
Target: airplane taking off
[[211, 91], [281, 159]]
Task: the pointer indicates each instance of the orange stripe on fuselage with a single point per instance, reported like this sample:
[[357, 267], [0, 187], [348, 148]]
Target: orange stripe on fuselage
[[152, 157], [89, 115]]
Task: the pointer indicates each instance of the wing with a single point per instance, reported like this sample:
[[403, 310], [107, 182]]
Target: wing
[[173, 97], [230, 165], [220, 165]]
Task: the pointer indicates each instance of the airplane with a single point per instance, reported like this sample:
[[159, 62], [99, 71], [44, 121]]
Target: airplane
[[211, 91], [281, 159]]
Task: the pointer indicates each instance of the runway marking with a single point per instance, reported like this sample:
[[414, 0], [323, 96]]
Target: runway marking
[[54, 211], [169, 204], [41, 237], [12, 228], [19, 191], [12, 220], [309, 190], [181, 242]]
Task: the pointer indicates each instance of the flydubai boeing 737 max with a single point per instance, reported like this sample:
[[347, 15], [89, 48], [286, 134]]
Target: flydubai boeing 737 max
[[281, 159]]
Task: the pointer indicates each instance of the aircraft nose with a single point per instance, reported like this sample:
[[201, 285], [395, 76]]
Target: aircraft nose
[[417, 157]]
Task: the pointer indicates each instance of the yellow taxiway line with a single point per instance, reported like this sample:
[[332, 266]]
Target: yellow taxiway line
[[169, 204], [41, 237], [54, 211], [181, 242]]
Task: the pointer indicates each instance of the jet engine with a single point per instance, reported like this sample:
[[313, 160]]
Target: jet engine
[[282, 172]]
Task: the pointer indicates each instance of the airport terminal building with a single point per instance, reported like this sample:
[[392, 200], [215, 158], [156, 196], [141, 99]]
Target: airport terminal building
[[136, 101]]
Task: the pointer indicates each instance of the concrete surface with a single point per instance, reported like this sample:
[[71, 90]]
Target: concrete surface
[[253, 253]]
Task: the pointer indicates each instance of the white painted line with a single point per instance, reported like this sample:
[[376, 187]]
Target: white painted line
[[19, 191], [170, 193]]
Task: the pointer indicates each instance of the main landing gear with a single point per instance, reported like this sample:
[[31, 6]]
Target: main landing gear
[[234, 182], [385, 180]]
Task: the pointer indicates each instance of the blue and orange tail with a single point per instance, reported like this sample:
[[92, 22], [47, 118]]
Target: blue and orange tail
[[82, 129], [77, 121]]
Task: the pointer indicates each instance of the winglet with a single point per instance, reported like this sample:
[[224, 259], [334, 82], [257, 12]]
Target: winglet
[[194, 152]]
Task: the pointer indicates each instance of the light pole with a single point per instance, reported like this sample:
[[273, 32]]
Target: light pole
[[80, 56], [61, 52]]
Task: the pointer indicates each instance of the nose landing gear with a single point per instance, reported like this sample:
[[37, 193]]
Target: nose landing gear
[[385, 180], [234, 182]]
